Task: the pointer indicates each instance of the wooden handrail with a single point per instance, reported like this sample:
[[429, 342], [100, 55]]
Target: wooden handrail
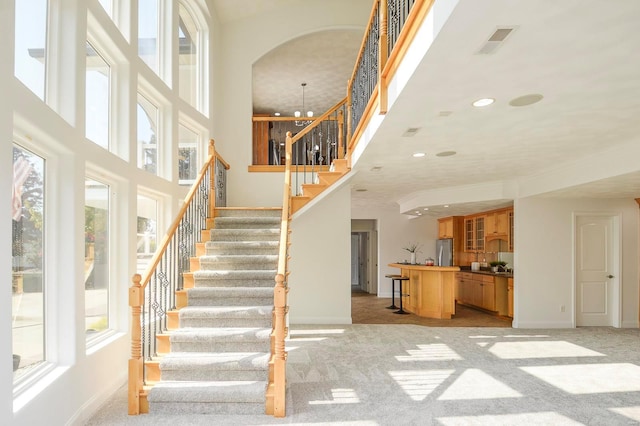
[[317, 122], [174, 226]]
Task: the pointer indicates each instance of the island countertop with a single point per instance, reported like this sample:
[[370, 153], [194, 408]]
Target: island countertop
[[429, 291], [419, 267]]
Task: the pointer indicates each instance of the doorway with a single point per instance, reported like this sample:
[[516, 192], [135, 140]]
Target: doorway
[[597, 283], [364, 256]]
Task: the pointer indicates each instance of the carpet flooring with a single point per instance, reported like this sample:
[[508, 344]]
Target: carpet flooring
[[407, 374]]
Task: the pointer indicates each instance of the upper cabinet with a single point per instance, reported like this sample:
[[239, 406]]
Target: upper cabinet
[[497, 224], [474, 233]]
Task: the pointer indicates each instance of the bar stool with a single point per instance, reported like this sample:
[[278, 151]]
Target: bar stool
[[400, 280], [393, 277]]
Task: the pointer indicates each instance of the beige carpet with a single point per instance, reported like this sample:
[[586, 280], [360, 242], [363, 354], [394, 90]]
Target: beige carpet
[[368, 374]]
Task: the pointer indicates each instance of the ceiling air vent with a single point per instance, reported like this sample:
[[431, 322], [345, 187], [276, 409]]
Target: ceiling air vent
[[495, 40], [411, 131]]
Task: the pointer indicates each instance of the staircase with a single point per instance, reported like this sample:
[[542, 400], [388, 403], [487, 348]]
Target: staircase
[[324, 180], [215, 358]]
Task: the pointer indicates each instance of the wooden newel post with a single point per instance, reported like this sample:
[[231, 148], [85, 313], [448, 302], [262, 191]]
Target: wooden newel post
[[212, 177], [340, 134], [280, 358], [136, 295]]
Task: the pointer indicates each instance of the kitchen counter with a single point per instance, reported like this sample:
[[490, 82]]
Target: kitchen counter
[[485, 272], [430, 290]]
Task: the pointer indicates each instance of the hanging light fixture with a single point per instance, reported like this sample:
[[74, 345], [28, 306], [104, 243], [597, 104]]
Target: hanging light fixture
[[298, 114]]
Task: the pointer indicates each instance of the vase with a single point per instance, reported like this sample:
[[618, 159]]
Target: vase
[[413, 258]]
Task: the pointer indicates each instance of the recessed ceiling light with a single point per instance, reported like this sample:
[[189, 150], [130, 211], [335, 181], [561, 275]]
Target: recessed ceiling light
[[361, 190], [446, 206], [426, 208], [419, 154], [410, 132], [445, 154], [277, 114], [376, 168], [483, 102], [525, 100]]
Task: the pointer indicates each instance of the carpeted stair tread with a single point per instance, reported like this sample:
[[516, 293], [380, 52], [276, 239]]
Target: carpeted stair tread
[[209, 391], [247, 312], [241, 247], [221, 292], [238, 261], [226, 334], [246, 222], [206, 278], [269, 234], [249, 212], [216, 361]]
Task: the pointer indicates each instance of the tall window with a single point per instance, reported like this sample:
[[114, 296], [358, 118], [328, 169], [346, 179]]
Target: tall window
[[147, 135], [147, 231], [188, 62], [188, 141], [27, 251], [98, 97], [107, 5], [30, 44], [96, 262], [148, 46]]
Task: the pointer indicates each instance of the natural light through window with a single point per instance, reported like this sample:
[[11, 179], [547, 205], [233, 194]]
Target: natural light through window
[[339, 396], [539, 349], [476, 384], [418, 384], [147, 231], [98, 98], [431, 352], [148, 35], [27, 259], [188, 37], [96, 257], [632, 413], [148, 119], [187, 155], [589, 378], [107, 5], [543, 418], [30, 44]]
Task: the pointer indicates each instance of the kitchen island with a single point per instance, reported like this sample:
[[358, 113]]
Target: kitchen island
[[429, 292]]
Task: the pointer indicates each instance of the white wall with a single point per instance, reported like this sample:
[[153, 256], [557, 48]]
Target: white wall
[[396, 231], [320, 265], [544, 249], [244, 42]]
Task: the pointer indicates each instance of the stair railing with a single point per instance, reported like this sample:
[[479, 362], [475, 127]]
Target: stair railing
[[151, 297], [315, 146], [392, 27]]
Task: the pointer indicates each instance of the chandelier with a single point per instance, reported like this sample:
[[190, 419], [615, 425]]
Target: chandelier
[[298, 114]]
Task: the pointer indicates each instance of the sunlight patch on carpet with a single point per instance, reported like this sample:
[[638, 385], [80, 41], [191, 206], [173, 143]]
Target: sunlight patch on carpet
[[589, 378], [339, 396], [420, 383], [545, 418], [542, 349], [431, 352], [476, 384]]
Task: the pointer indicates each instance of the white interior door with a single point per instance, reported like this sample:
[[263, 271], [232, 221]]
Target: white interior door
[[595, 277]]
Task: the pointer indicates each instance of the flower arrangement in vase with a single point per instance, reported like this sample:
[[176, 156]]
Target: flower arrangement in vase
[[413, 248]]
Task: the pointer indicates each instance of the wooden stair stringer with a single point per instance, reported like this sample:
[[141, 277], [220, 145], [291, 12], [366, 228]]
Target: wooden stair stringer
[[331, 182]]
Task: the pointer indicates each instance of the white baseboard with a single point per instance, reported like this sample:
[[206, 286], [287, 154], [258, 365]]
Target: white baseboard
[[92, 406], [321, 320], [630, 324], [543, 324]]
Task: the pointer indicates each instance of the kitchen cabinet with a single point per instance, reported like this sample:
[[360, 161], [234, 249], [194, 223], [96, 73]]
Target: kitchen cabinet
[[474, 233], [488, 287], [497, 223], [510, 297], [510, 236], [452, 227], [445, 227], [429, 292], [483, 291]]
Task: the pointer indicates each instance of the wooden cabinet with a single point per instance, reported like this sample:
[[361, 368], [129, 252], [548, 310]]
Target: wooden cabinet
[[497, 223], [474, 233], [445, 227], [488, 293], [510, 236], [510, 297]]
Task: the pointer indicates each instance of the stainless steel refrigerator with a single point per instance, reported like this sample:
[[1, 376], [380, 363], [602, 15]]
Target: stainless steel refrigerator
[[444, 252]]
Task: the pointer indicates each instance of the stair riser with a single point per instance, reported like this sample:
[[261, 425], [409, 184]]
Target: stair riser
[[241, 251], [237, 235], [220, 347], [249, 223], [248, 212], [205, 282], [207, 408], [230, 301], [225, 322], [217, 375], [236, 265]]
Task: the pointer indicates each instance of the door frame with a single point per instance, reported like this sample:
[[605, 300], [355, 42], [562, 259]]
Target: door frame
[[616, 245], [368, 226]]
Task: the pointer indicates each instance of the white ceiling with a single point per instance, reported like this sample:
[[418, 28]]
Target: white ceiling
[[583, 56]]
